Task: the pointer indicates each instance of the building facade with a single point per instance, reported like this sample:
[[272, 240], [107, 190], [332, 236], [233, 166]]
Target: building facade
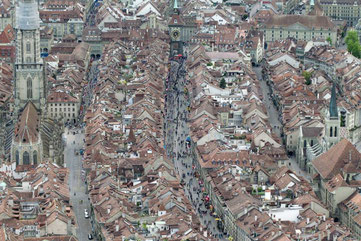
[[29, 69], [332, 122], [300, 27], [36, 138], [63, 21], [6, 14], [176, 31], [64, 106], [341, 9]]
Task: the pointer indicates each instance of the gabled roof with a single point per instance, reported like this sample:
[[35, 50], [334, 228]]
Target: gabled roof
[[176, 20], [309, 21], [27, 129], [7, 35], [60, 96], [343, 155], [311, 131]]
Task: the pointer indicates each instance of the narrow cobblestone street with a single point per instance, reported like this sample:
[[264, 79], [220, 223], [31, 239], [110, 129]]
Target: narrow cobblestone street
[[78, 196], [177, 133], [273, 117]]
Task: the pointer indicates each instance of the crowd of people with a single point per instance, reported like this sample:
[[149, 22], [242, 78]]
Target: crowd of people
[[178, 144]]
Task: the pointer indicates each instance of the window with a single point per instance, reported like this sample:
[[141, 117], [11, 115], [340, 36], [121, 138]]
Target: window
[[28, 47], [335, 131], [35, 157], [17, 157], [29, 88], [26, 158], [331, 131]]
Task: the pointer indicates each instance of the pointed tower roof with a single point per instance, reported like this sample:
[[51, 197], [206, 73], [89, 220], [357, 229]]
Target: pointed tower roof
[[175, 5], [316, 9], [333, 104], [26, 130], [131, 137]]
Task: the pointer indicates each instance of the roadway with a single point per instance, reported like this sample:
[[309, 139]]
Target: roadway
[[273, 115], [176, 132], [274, 120], [78, 197]]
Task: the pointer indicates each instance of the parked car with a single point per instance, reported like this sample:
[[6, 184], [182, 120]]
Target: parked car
[[90, 236], [86, 214]]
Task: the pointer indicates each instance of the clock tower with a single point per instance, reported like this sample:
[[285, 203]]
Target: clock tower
[[176, 29]]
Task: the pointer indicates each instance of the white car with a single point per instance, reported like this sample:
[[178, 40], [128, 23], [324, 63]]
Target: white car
[[86, 214]]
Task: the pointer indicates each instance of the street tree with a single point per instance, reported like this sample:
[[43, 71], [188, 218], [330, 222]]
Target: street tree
[[353, 44], [222, 84], [329, 40], [307, 76]]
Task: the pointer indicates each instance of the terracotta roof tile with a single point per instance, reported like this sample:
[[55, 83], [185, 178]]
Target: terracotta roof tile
[[331, 162], [26, 130]]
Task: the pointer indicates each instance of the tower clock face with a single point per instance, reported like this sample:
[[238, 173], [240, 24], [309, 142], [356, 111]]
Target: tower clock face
[[175, 34]]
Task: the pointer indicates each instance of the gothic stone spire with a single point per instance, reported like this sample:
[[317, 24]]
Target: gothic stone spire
[[333, 105]]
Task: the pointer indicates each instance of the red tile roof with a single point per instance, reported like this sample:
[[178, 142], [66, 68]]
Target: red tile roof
[[62, 97], [27, 128], [340, 156]]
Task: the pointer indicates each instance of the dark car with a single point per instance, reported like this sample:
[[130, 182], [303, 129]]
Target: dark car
[[90, 236]]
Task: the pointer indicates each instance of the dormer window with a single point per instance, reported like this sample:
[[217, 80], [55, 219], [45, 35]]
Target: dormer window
[[175, 21]]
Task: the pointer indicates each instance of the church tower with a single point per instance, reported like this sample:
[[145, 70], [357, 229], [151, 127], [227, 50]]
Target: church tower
[[29, 69], [332, 122], [176, 31]]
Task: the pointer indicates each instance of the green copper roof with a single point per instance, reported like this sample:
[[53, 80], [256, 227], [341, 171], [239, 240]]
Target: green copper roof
[[333, 104], [175, 4]]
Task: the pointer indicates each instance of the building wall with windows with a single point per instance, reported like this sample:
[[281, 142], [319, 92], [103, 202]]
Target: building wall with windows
[[62, 105], [305, 28], [63, 28], [6, 18], [288, 6], [67, 111], [341, 9]]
